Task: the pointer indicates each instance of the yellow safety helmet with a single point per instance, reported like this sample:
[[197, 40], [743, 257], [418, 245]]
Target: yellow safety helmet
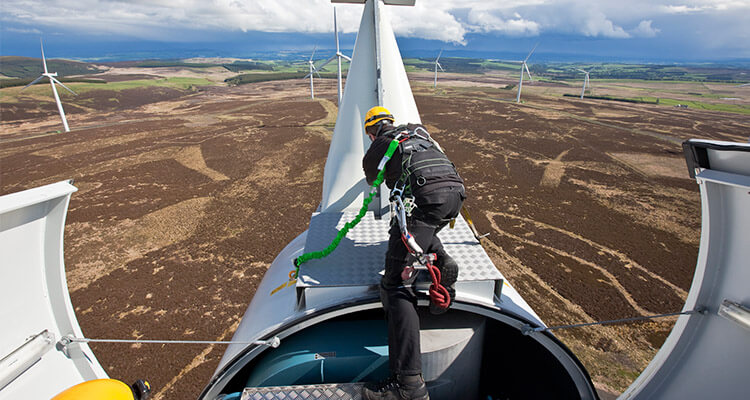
[[110, 389], [377, 114]]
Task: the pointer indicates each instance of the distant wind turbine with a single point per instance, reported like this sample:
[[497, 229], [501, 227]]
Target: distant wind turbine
[[52, 81], [585, 81], [524, 67], [437, 65], [313, 70], [339, 55]]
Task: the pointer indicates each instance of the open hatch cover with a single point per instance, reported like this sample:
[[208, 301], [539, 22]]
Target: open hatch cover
[[37, 311]]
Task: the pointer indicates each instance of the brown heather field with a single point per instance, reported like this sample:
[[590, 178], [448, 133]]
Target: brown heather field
[[186, 196]]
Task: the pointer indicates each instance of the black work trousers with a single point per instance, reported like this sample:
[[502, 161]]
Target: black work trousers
[[399, 301]]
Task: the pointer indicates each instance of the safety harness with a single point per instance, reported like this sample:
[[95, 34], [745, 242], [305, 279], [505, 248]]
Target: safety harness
[[416, 172]]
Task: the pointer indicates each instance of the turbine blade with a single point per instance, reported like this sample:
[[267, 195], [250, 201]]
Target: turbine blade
[[60, 83], [439, 54], [527, 71], [441, 67], [336, 29], [531, 52], [313, 53], [326, 63], [307, 76], [347, 58], [33, 82], [44, 60]]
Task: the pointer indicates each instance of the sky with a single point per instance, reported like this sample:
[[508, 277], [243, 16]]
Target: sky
[[566, 30]]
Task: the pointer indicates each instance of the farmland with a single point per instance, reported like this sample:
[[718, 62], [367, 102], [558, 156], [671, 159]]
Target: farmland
[[189, 187]]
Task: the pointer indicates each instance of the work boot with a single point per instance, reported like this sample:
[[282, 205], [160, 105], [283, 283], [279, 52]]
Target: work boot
[[448, 277], [398, 387]]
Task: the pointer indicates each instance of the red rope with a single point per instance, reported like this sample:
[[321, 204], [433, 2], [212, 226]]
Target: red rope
[[438, 293]]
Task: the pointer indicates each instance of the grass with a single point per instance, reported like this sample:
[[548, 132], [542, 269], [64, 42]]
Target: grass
[[274, 76], [723, 107], [12, 95], [732, 108]]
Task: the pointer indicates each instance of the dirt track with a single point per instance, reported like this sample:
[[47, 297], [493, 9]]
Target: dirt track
[[590, 211]]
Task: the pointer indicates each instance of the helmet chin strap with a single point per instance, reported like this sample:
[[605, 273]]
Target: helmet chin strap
[[381, 126]]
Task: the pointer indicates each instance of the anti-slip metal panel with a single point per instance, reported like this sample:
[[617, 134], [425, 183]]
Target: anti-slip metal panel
[[359, 258], [338, 391]]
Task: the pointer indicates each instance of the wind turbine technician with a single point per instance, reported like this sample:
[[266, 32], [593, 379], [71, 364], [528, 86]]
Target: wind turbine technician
[[428, 188]]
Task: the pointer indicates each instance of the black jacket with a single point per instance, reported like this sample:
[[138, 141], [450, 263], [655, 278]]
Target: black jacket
[[393, 170]]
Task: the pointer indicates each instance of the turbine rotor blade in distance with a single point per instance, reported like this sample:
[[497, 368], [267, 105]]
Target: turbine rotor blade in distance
[[33, 82], [61, 84], [327, 62], [313, 53], [347, 58], [531, 52], [336, 29], [527, 71], [441, 67], [439, 54], [44, 60]]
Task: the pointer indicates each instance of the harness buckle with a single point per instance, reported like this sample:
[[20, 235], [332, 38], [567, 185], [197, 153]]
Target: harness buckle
[[409, 205]]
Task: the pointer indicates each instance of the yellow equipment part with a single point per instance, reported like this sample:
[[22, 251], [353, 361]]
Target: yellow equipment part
[[110, 389]]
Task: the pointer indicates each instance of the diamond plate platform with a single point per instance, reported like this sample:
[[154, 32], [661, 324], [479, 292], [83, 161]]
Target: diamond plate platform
[[359, 258], [337, 391]]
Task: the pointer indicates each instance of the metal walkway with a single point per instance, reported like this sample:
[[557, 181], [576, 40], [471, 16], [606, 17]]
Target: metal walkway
[[358, 261], [334, 391]]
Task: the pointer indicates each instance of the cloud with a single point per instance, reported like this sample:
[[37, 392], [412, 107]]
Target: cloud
[[645, 30], [486, 21], [445, 20], [30, 31], [597, 24], [682, 9]]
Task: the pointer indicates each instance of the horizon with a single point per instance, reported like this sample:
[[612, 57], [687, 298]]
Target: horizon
[[645, 32]]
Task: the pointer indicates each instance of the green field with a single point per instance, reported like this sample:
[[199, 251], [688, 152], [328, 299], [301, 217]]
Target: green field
[[12, 95]]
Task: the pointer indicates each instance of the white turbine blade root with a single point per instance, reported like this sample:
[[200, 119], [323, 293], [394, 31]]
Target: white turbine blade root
[[441, 67], [527, 71], [44, 60], [347, 58], [530, 53], [33, 82], [60, 83], [439, 54], [327, 62], [336, 29]]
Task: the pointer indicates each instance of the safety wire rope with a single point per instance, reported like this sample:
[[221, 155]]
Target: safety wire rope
[[275, 341]]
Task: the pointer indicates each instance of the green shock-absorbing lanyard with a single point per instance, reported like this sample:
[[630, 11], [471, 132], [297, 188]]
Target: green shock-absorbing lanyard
[[351, 224]]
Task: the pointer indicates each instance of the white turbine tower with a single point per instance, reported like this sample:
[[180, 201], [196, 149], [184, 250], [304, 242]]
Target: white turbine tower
[[585, 81], [52, 81], [313, 70], [339, 55], [526, 68], [437, 65]]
